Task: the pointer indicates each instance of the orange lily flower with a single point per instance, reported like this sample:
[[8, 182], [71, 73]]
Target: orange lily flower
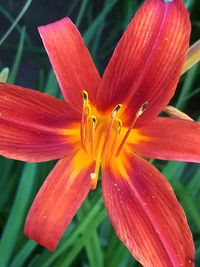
[[108, 122]]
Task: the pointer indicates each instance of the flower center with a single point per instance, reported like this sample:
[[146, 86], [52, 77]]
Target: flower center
[[102, 135]]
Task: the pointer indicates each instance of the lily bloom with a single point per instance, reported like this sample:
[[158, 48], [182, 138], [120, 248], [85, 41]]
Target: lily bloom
[[108, 122]]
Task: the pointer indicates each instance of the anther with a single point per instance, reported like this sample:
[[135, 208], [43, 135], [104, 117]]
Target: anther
[[141, 110], [138, 114], [115, 110], [94, 121], [85, 97]]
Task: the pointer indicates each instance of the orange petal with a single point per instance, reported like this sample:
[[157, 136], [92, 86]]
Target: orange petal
[[71, 61], [58, 200], [145, 213], [168, 139], [148, 60], [31, 125]]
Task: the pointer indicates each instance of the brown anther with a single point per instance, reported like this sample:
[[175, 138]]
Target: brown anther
[[85, 97], [94, 121], [115, 110], [141, 110]]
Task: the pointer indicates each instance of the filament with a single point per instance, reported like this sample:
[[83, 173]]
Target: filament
[[94, 124], [116, 136], [94, 175], [113, 115], [138, 114], [86, 113], [87, 116]]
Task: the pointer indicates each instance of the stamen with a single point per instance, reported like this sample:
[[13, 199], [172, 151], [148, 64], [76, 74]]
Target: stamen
[[94, 124], [113, 115], [138, 114], [86, 113], [141, 110], [94, 121], [115, 110]]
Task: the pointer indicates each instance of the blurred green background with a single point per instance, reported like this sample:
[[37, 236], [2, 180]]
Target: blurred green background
[[90, 241]]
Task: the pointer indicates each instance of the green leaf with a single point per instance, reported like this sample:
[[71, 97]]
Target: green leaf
[[23, 254], [188, 84], [13, 25], [17, 214], [81, 12], [14, 70], [97, 22], [84, 238], [92, 246]]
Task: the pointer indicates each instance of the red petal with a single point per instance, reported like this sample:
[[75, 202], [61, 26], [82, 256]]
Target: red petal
[[32, 123], [146, 214], [58, 200], [147, 62], [71, 61], [170, 139]]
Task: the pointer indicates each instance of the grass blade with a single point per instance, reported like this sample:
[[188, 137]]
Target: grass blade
[[81, 12], [16, 216], [23, 254], [92, 246], [93, 27], [87, 234], [18, 57], [23, 11], [188, 84]]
